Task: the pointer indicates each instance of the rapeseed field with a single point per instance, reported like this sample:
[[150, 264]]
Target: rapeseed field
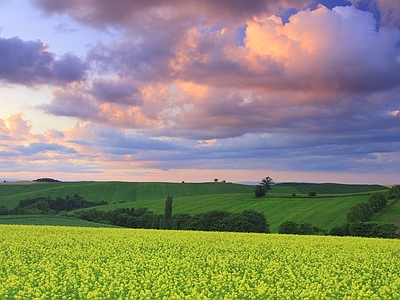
[[50, 262]]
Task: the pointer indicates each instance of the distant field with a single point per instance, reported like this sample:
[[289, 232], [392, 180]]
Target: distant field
[[326, 188], [49, 220], [391, 214], [10, 194], [326, 210]]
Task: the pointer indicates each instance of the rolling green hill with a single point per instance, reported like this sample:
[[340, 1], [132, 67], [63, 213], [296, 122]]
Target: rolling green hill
[[326, 210], [49, 220], [325, 188], [11, 193], [391, 213]]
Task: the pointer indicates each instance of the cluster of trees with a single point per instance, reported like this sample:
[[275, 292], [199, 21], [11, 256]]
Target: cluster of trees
[[246, 221], [366, 229], [46, 205], [394, 192], [363, 229], [363, 211], [292, 227], [125, 217], [46, 179]]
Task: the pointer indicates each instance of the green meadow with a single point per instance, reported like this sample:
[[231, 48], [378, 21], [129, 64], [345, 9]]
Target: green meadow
[[49, 220], [284, 202]]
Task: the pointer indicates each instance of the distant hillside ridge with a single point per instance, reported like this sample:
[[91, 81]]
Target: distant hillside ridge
[[284, 202], [115, 191]]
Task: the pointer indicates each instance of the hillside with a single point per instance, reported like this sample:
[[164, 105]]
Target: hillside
[[50, 221], [326, 210], [11, 193]]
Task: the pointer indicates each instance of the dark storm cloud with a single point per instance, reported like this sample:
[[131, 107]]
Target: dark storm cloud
[[29, 63]]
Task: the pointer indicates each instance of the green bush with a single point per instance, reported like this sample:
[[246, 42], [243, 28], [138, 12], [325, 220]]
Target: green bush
[[289, 227], [377, 201], [361, 212], [394, 192]]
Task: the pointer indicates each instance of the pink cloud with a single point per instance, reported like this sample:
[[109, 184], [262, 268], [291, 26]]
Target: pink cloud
[[322, 87]]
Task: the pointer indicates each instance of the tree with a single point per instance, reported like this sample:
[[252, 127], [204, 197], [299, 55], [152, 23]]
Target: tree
[[394, 192], [377, 201], [168, 213], [259, 191], [215, 179], [361, 212], [4, 210], [264, 186], [289, 227], [306, 228], [248, 221]]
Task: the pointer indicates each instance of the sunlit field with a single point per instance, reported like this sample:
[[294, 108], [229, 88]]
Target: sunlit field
[[49, 262]]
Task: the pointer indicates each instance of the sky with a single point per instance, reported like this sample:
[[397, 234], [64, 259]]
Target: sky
[[298, 90]]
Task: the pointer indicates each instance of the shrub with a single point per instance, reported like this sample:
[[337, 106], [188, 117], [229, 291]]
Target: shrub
[[394, 192], [4, 210], [361, 212], [259, 191], [289, 227], [377, 201]]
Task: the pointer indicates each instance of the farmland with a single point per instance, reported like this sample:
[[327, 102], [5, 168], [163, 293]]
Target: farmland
[[326, 210], [48, 220], [46, 262]]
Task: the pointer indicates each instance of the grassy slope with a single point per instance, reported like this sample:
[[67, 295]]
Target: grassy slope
[[391, 214], [329, 208], [49, 220], [326, 188], [10, 194], [324, 212]]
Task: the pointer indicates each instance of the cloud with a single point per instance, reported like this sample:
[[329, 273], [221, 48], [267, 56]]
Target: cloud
[[107, 101], [109, 148], [37, 148], [151, 14], [29, 63], [202, 84], [387, 10], [116, 91], [15, 127], [318, 92]]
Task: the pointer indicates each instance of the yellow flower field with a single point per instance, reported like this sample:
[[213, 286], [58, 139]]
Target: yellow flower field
[[45, 262]]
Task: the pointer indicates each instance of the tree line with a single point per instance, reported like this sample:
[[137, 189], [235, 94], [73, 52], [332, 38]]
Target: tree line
[[364, 211], [362, 229], [46, 205], [216, 220], [358, 220]]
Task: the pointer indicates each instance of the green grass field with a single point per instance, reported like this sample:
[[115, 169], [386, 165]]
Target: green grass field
[[49, 220], [326, 210], [11, 193]]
